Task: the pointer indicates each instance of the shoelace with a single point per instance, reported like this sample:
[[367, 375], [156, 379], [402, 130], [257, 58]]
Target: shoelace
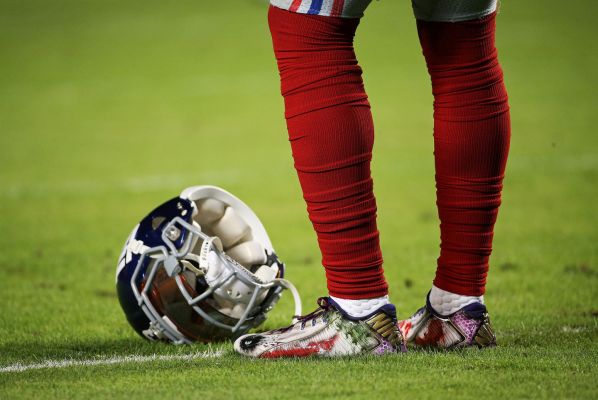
[[323, 307]]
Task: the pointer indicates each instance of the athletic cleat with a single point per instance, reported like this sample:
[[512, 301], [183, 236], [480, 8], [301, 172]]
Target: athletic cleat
[[470, 326], [328, 332]]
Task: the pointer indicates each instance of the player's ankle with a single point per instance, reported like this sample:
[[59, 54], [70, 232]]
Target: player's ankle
[[362, 307], [446, 303]]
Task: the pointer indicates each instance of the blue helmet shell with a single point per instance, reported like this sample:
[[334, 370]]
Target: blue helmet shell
[[149, 232]]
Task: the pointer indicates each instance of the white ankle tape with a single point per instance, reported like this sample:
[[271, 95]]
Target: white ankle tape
[[361, 308], [447, 303]]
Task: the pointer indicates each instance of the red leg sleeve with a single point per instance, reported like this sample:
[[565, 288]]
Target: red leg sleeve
[[471, 142], [331, 134]]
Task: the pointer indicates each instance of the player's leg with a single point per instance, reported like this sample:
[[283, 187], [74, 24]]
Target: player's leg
[[331, 134], [471, 143]]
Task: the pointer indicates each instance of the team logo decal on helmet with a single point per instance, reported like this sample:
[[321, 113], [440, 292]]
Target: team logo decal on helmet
[[200, 267]]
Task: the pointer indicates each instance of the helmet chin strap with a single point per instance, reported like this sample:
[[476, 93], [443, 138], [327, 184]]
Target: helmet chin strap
[[212, 266], [206, 263], [288, 285]]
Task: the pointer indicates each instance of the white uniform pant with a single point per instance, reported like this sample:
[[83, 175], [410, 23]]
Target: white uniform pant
[[426, 10]]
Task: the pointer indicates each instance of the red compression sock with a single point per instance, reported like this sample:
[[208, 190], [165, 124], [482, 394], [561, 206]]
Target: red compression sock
[[471, 142], [331, 133]]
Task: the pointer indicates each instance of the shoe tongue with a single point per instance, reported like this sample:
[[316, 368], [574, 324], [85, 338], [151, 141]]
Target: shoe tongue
[[335, 305], [474, 310], [388, 309]]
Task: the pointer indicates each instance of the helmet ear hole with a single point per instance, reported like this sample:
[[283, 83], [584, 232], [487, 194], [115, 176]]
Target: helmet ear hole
[[157, 222]]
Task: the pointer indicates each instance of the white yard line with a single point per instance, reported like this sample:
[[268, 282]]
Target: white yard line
[[49, 364]]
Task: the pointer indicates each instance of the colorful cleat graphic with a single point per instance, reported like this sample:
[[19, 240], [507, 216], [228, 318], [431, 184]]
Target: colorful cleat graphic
[[470, 326], [328, 332]]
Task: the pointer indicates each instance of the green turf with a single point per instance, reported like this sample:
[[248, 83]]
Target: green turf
[[108, 108]]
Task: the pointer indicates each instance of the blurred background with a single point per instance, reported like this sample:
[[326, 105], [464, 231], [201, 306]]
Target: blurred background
[[108, 108]]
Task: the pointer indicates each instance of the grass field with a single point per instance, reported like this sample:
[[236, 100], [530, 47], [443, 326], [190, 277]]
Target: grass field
[[109, 108]]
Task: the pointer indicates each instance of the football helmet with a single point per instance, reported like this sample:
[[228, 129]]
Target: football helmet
[[199, 268]]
